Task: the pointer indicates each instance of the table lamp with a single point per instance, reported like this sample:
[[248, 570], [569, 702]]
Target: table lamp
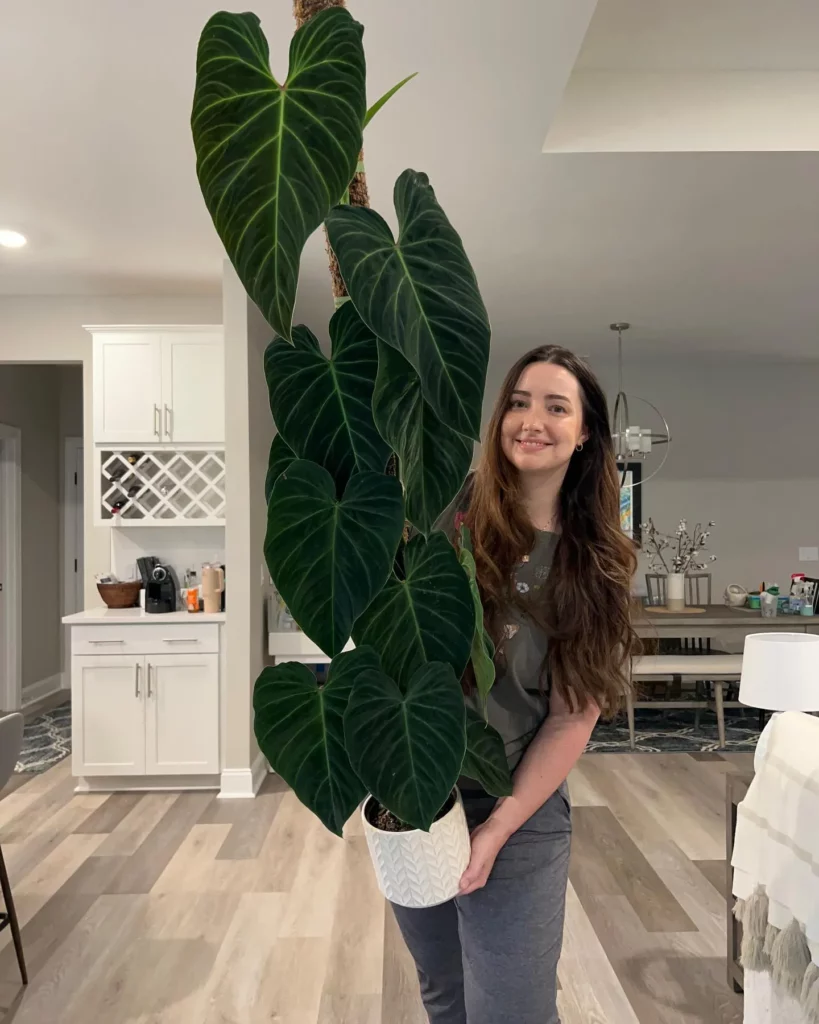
[[780, 672]]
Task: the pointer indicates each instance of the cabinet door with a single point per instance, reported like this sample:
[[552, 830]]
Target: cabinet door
[[182, 702], [127, 387], [108, 714], [193, 387]]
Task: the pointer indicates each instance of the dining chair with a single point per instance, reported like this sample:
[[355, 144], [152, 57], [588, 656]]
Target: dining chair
[[692, 588], [656, 588], [11, 740]]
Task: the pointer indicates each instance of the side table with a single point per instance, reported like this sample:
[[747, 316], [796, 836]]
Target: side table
[[735, 789]]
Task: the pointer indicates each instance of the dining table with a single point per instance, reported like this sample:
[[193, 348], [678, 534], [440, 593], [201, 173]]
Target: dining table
[[716, 620]]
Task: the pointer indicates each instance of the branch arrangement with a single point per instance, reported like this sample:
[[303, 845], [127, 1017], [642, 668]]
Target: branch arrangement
[[681, 552]]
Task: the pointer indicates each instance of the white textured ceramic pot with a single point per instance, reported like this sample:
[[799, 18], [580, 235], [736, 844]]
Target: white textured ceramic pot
[[420, 869], [676, 591]]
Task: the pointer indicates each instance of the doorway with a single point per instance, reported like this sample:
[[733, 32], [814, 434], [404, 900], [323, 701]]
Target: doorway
[[11, 596]]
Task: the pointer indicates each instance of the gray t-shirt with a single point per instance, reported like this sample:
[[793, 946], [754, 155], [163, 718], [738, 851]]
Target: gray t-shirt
[[518, 703]]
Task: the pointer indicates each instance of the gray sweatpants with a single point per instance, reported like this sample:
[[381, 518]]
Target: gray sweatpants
[[491, 957]]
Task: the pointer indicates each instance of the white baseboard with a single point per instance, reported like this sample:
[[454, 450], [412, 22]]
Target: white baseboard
[[243, 783], [143, 783], [42, 688]]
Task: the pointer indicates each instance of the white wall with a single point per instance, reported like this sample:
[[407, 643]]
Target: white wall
[[181, 547], [50, 329], [248, 433], [744, 453]]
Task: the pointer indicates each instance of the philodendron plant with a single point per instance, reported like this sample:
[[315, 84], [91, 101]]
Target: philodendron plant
[[350, 543]]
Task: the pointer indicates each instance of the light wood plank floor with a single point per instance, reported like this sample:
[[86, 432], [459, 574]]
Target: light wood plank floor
[[169, 908]]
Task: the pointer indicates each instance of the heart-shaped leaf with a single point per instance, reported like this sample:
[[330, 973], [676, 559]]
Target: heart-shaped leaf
[[407, 744], [281, 455], [427, 616], [419, 295], [273, 159], [433, 459], [323, 407], [482, 650], [330, 556], [485, 759], [300, 728]]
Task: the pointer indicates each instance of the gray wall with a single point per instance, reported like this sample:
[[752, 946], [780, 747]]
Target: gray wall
[[745, 453], [45, 403]]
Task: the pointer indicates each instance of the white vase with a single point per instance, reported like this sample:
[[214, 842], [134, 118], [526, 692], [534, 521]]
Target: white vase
[[675, 596], [420, 869]]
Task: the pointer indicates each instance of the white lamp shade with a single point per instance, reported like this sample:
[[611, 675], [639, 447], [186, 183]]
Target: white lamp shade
[[780, 672]]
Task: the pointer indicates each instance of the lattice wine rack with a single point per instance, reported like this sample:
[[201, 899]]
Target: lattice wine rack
[[163, 486]]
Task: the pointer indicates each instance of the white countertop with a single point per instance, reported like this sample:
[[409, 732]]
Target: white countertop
[[296, 646], [137, 617]]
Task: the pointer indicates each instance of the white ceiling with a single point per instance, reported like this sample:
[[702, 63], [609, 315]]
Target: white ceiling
[[707, 35], [702, 252]]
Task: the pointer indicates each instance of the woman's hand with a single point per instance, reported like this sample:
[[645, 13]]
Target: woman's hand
[[487, 842]]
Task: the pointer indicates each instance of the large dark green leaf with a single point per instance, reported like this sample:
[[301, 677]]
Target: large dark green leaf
[[433, 458], [485, 758], [330, 556], [300, 728], [407, 744], [281, 455], [420, 295], [428, 616], [323, 407], [482, 650], [273, 159]]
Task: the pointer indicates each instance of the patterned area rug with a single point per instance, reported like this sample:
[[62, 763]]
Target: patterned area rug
[[669, 730], [46, 740]]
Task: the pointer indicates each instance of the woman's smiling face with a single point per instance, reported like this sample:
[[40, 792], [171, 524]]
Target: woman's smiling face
[[544, 421]]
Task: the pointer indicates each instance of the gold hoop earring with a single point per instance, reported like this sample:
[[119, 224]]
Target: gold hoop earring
[[579, 447]]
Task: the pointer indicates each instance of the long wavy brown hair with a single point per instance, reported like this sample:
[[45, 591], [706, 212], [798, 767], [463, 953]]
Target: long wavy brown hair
[[584, 606]]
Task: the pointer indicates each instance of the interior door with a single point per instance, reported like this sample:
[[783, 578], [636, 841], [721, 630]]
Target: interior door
[[182, 706], [127, 387], [108, 715], [193, 385]]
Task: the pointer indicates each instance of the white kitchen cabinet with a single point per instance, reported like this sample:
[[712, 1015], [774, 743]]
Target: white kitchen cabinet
[[145, 700], [108, 714], [193, 388], [182, 704], [128, 387], [159, 386]]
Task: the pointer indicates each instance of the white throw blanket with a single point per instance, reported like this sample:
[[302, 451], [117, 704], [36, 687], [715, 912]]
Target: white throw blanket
[[776, 874]]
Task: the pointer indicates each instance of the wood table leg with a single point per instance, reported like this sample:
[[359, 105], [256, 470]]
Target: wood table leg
[[718, 695]]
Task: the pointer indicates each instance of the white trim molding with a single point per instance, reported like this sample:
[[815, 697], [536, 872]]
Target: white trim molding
[[243, 783], [43, 688], [11, 685]]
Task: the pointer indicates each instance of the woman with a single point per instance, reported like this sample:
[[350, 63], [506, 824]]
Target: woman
[[554, 571]]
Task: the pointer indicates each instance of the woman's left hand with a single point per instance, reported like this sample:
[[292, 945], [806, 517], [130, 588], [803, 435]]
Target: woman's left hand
[[487, 842]]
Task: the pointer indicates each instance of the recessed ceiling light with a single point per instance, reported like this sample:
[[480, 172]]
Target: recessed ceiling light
[[12, 239]]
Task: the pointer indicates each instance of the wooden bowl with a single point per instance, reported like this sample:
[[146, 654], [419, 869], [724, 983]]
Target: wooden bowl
[[120, 595]]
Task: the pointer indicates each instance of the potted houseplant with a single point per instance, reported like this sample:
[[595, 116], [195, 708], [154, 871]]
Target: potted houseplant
[[373, 442]]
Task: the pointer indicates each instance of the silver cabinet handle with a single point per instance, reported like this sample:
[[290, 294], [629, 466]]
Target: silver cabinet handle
[[106, 641], [168, 421], [149, 679], [181, 640], [136, 679], [156, 421]]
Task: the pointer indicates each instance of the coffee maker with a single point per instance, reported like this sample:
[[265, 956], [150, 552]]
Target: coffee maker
[[160, 591]]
